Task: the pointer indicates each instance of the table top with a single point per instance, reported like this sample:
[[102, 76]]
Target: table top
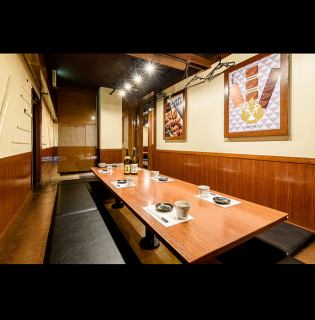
[[213, 230]]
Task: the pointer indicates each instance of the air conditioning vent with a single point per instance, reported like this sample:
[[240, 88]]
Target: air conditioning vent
[[54, 78]]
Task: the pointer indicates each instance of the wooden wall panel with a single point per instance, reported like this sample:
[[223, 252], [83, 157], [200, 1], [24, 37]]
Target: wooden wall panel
[[111, 155], [283, 183], [76, 158], [75, 150], [15, 185], [47, 163], [76, 107], [49, 152]]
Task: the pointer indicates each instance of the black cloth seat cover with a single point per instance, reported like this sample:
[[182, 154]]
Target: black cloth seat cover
[[73, 198], [83, 238], [89, 176], [252, 251], [290, 260], [287, 237]]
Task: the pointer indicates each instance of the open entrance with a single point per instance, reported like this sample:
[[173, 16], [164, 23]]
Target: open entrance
[[36, 138]]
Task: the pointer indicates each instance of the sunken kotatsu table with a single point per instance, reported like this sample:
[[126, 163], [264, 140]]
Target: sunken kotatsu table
[[211, 230]]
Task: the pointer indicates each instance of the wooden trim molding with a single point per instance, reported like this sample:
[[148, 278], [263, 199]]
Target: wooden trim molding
[[13, 158], [15, 185], [65, 150], [76, 158], [282, 183], [111, 155], [49, 152], [245, 156]]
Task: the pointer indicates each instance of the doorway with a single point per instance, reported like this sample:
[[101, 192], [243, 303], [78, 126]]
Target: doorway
[[145, 134], [149, 131], [36, 138]]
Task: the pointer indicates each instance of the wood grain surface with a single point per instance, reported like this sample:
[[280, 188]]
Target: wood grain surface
[[282, 183], [111, 155], [15, 185], [212, 231]]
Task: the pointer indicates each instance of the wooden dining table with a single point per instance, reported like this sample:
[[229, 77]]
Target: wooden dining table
[[213, 230]]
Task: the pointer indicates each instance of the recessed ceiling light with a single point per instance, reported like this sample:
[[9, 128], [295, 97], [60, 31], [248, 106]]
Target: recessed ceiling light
[[93, 118], [137, 78], [149, 67], [127, 86], [122, 93]]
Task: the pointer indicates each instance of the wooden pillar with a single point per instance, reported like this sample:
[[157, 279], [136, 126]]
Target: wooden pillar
[[36, 138], [140, 133]]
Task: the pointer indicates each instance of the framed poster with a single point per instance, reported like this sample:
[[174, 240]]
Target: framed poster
[[256, 97], [174, 116]]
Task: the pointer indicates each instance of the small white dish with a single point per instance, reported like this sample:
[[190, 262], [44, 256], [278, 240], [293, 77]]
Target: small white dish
[[102, 165]]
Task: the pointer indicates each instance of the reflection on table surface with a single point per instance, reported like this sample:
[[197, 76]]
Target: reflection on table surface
[[212, 231]]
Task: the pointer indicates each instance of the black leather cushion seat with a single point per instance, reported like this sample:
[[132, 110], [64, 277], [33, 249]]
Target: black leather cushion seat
[[73, 198], [290, 260], [69, 181], [88, 176], [252, 251], [83, 238], [287, 237]]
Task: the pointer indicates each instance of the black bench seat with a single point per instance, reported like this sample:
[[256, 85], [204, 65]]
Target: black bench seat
[[83, 238], [79, 234], [287, 237], [290, 260], [74, 198]]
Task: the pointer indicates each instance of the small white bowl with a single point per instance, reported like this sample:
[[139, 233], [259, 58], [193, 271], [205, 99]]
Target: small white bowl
[[102, 165]]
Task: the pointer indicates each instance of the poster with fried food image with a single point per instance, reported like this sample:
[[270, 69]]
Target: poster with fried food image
[[175, 116]]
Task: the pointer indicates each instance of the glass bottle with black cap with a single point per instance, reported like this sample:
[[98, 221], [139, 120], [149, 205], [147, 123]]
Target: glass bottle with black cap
[[127, 163]]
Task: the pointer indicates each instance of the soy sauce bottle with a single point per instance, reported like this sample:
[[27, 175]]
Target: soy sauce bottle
[[127, 163], [134, 163]]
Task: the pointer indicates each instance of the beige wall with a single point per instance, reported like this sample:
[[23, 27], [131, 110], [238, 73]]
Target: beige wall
[[15, 125], [48, 129], [145, 136], [12, 139], [110, 119], [56, 125], [80, 135], [205, 116]]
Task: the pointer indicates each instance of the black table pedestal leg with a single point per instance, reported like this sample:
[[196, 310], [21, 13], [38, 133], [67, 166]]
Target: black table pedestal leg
[[118, 204], [150, 241]]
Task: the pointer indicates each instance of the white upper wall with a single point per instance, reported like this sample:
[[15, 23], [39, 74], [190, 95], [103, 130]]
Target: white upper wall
[[205, 116], [145, 136], [110, 119], [15, 96], [15, 125], [48, 129]]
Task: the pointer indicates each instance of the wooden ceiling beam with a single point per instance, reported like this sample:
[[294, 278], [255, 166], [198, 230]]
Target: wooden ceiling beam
[[192, 58], [179, 60], [198, 60], [214, 59], [164, 60]]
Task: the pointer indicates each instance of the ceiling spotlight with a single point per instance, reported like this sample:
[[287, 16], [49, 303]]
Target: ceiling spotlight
[[93, 118], [122, 93], [127, 86], [149, 68], [137, 78]]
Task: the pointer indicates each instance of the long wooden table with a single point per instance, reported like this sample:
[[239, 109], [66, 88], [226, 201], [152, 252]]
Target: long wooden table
[[213, 230]]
